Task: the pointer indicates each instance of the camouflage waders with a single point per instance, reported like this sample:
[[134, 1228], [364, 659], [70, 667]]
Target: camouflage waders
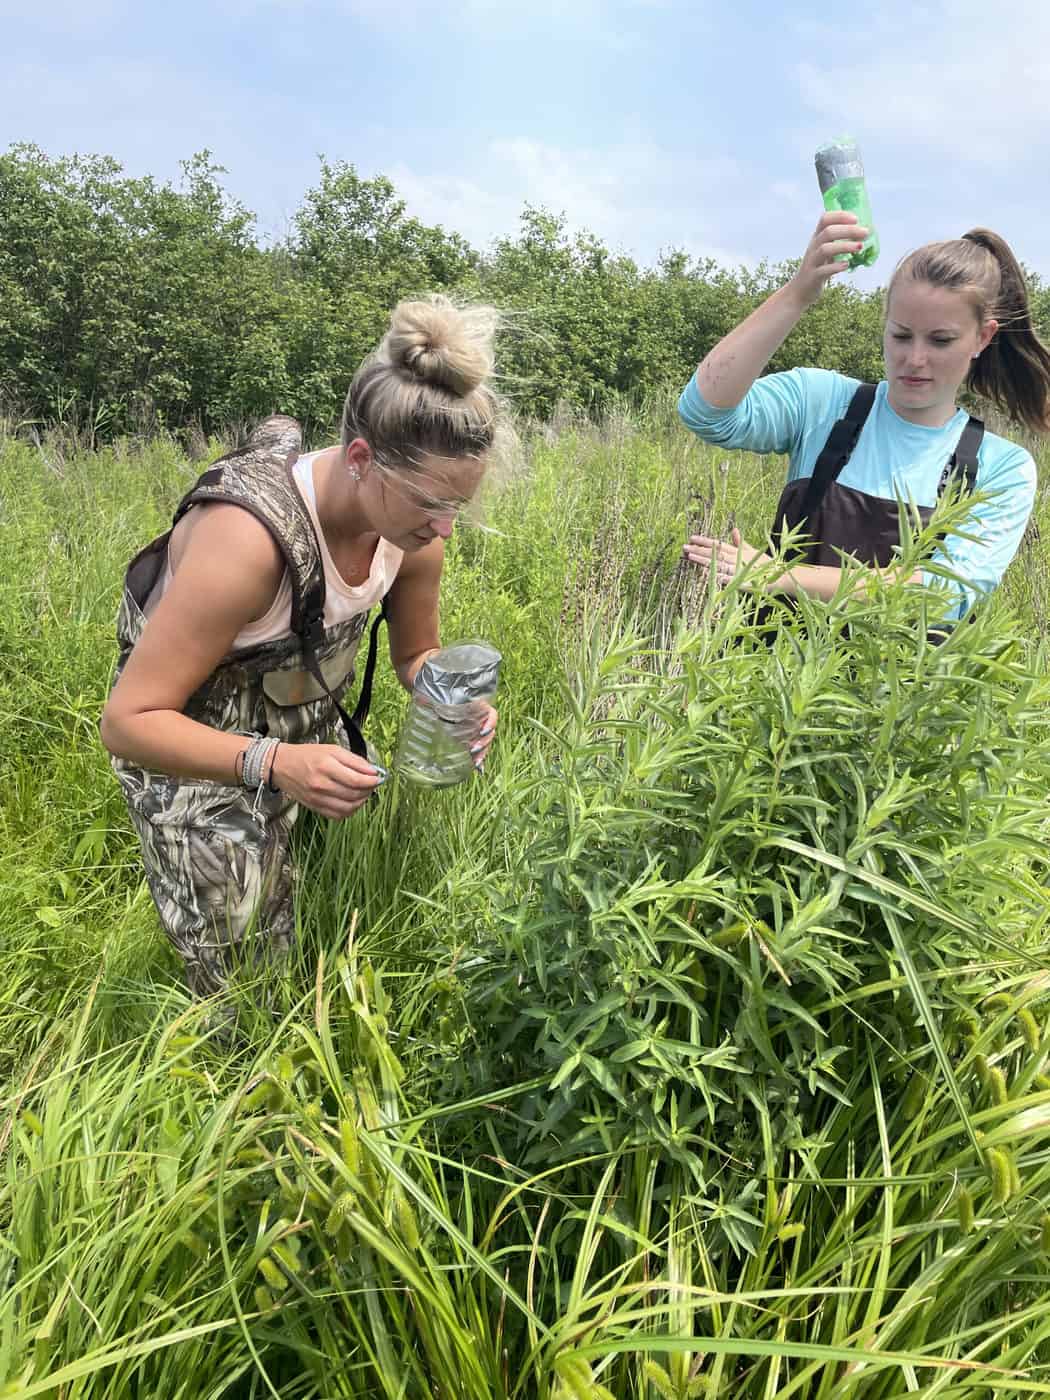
[[217, 855]]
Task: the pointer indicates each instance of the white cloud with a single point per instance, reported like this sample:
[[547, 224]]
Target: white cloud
[[150, 117], [56, 22], [412, 11], [637, 198], [60, 10], [602, 17], [956, 77]]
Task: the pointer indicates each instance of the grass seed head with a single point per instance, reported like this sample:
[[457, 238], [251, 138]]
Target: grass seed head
[[272, 1274], [1029, 1029], [1016, 1185], [340, 1213], [406, 1219], [32, 1122], [997, 1085], [350, 1145], [575, 1379], [999, 1001], [1002, 1176], [287, 1256]]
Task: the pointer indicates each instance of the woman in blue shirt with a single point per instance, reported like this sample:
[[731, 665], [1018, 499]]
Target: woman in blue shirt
[[956, 313]]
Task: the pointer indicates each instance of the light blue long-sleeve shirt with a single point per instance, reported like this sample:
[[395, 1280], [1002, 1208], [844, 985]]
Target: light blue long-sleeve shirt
[[792, 413]]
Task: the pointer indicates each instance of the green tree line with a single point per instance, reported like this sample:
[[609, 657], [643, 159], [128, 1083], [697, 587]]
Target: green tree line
[[129, 302]]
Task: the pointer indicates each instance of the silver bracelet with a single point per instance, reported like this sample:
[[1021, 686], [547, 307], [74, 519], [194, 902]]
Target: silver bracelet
[[255, 757], [266, 748], [264, 759], [247, 762]]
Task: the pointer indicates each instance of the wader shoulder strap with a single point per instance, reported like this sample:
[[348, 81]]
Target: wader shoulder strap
[[837, 450], [310, 636], [258, 477], [963, 462]]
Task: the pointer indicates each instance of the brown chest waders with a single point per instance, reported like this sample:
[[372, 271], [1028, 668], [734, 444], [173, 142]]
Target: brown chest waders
[[217, 855], [841, 519]]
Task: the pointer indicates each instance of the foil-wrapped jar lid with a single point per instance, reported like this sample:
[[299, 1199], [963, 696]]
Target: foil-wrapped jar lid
[[459, 673], [838, 160]]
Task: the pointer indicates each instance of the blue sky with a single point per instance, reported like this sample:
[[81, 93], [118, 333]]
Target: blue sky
[[655, 123]]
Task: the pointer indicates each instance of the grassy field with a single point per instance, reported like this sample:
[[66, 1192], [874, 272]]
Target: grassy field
[[699, 1049]]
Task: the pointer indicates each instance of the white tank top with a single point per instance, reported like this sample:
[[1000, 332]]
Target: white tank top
[[342, 600]]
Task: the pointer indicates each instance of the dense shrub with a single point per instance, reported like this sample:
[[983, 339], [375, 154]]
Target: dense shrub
[[127, 303]]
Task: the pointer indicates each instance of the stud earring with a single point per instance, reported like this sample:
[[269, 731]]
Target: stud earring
[[355, 475]]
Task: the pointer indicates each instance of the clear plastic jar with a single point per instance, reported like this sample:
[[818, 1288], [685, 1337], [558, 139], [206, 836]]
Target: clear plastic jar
[[449, 700]]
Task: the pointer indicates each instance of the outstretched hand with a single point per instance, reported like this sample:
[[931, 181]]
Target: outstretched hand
[[722, 560]]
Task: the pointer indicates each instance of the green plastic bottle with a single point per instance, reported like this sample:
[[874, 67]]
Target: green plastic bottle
[[840, 174]]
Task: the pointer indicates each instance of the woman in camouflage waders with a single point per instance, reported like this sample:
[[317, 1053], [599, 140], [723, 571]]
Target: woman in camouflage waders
[[239, 629]]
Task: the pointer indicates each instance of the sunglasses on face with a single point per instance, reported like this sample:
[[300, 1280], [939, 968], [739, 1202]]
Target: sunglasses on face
[[429, 504]]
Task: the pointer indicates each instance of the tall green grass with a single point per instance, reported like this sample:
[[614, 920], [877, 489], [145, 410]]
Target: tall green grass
[[700, 1049]]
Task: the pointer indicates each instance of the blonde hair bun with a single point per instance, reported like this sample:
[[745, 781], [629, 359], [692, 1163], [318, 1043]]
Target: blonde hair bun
[[426, 388], [441, 344]]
